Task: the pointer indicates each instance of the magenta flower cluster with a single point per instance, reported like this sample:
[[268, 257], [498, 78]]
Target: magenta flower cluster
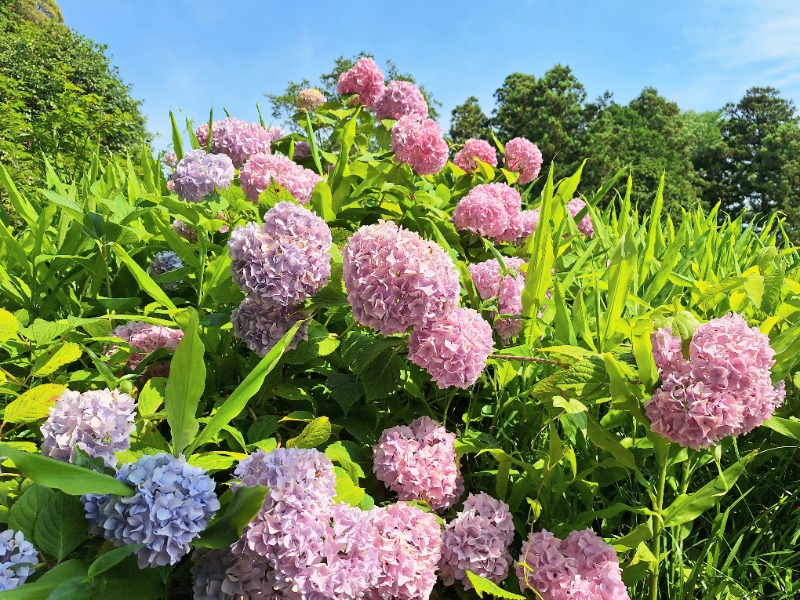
[[523, 157], [473, 151], [262, 169], [585, 225], [98, 422], [454, 349], [419, 462], [260, 327], [401, 99], [490, 283], [493, 210], [18, 559], [171, 506], [723, 389], [144, 338], [365, 79], [235, 138], [396, 280], [198, 174], [310, 98], [581, 567], [477, 540], [420, 143]]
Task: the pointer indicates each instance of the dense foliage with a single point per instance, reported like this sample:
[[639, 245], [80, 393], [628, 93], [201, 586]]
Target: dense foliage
[[353, 380]]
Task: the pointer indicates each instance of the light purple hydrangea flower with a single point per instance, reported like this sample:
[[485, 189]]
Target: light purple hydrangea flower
[[520, 226], [187, 232], [170, 159], [275, 133], [409, 549], [477, 540], [401, 99], [523, 157], [475, 150], [225, 575], [144, 338], [310, 98], [486, 276], [99, 422], [419, 462], [198, 174], [724, 389], [454, 349], [396, 280], [285, 260], [171, 506], [18, 559], [259, 172], [487, 209], [420, 144], [302, 149], [261, 327], [164, 262], [365, 79], [236, 139], [585, 225], [581, 567]]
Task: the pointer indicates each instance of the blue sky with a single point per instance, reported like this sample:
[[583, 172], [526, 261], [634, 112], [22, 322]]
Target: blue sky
[[188, 56]]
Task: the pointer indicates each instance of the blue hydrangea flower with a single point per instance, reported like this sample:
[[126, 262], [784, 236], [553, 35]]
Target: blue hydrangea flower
[[18, 559], [164, 262], [171, 507]]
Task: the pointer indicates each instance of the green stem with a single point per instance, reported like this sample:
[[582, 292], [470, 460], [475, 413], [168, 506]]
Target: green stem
[[658, 526]]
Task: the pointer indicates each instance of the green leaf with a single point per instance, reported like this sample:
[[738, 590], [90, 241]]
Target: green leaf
[[55, 358], [71, 570], [236, 402], [71, 479], [28, 507], [346, 490], [338, 453], [142, 278], [23, 208], [314, 434], [623, 267], [61, 526], [604, 439], [34, 404], [485, 586], [8, 325], [243, 507], [687, 508], [152, 396], [110, 559], [177, 142], [788, 427], [187, 380]]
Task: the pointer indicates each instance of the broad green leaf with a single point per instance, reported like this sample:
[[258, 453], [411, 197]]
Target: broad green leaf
[[152, 396], [236, 402], [8, 325], [106, 561], [142, 278], [42, 588], [54, 359], [788, 427], [187, 380], [61, 526], [71, 479], [26, 510], [346, 490], [314, 434], [338, 454], [34, 404], [482, 586], [606, 440], [227, 528]]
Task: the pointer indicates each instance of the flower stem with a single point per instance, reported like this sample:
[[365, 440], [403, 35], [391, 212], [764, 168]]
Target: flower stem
[[658, 526]]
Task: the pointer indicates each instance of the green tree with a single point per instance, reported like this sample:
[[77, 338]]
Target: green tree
[[548, 111], [469, 121], [37, 11]]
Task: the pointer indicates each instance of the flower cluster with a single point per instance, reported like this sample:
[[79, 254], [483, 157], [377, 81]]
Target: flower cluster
[[419, 143], [524, 158], [98, 422], [237, 139], [477, 540], [487, 210], [454, 349], [310, 98], [171, 506], [170, 159], [365, 79], [164, 262], [585, 225], [724, 389], [144, 338], [187, 232], [507, 289], [302, 150], [285, 260], [257, 174], [396, 280], [225, 575], [401, 99], [419, 462], [260, 327], [582, 567], [475, 150], [198, 174], [520, 226], [18, 559]]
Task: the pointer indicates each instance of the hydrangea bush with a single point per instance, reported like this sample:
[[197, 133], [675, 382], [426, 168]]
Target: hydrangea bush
[[386, 368]]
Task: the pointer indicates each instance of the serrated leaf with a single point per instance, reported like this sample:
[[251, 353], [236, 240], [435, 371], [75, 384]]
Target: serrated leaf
[[27, 509], [57, 357], [34, 404], [8, 325], [61, 526], [482, 586], [314, 434], [338, 453]]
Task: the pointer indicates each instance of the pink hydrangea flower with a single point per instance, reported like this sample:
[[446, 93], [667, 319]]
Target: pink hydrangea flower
[[365, 79], [475, 150], [454, 349], [419, 462], [420, 144], [401, 99], [487, 209], [523, 157], [258, 172], [170, 159], [310, 98], [724, 389], [396, 280], [236, 139], [581, 567], [585, 225], [486, 276], [477, 540], [520, 226], [302, 150], [144, 338]]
